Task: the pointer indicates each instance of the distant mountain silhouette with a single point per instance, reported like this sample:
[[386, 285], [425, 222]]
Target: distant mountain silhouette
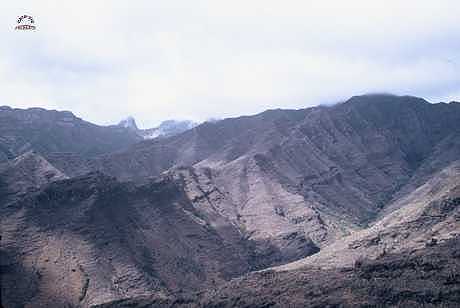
[[50, 131]]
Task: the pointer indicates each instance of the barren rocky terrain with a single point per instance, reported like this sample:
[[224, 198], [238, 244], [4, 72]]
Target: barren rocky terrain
[[428, 277], [355, 204]]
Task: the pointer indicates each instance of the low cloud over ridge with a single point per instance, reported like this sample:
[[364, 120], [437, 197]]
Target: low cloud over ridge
[[183, 59]]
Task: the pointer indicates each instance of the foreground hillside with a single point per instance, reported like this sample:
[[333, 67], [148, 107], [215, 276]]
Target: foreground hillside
[[410, 257], [425, 278], [102, 239]]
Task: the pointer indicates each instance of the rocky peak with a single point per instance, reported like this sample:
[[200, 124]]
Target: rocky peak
[[129, 123], [168, 128], [29, 170]]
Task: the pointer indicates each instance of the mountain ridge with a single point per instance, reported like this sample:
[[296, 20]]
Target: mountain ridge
[[48, 131]]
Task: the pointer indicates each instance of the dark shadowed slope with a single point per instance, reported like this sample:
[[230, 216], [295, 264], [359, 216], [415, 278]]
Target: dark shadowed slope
[[103, 240], [426, 278]]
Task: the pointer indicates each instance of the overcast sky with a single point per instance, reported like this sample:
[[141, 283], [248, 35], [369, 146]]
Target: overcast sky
[[191, 59]]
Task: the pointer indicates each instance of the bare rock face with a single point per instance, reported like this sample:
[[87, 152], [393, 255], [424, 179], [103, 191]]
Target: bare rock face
[[275, 240], [429, 214], [104, 240]]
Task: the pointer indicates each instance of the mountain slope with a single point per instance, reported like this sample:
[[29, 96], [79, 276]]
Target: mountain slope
[[105, 240], [47, 131], [375, 176], [429, 214], [427, 278], [24, 173], [290, 176], [410, 257]]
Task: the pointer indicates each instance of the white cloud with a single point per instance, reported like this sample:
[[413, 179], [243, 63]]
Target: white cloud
[[197, 59]]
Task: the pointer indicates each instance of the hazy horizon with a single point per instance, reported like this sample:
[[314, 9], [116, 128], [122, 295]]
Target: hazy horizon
[[105, 61], [116, 122]]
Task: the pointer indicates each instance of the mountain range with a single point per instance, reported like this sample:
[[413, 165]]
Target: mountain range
[[356, 204]]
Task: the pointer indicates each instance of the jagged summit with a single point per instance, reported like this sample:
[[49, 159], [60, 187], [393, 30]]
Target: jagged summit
[[129, 123], [166, 128]]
